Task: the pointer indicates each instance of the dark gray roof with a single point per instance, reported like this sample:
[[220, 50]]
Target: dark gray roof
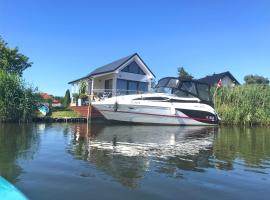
[[213, 79], [110, 67]]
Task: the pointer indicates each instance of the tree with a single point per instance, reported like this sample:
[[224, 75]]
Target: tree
[[17, 100], [11, 60], [183, 74], [256, 79], [67, 99]]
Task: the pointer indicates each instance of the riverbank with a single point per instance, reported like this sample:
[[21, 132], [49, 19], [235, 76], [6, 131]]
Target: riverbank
[[59, 115], [246, 105]]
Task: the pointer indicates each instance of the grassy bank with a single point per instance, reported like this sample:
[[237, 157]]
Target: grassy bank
[[63, 113], [244, 105]]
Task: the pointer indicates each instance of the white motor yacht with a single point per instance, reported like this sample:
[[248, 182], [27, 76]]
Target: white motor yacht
[[173, 102]]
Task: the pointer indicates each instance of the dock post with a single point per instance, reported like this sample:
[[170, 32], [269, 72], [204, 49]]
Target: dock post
[[89, 112], [90, 98], [89, 115]]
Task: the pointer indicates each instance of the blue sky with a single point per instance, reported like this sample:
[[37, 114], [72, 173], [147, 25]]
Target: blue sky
[[68, 39]]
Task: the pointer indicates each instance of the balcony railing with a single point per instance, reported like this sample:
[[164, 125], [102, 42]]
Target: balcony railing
[[101, 94]]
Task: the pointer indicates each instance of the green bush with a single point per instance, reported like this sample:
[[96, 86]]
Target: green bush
[[244, 105], [17, 102]]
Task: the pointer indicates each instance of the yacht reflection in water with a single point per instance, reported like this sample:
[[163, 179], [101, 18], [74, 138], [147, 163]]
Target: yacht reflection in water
[[127, 152]]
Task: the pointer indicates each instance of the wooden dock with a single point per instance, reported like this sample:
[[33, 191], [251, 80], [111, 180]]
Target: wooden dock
[[61, 119], [86, 111]]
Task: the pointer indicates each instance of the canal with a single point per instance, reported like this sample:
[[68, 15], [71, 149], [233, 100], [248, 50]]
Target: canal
[[77, 161]]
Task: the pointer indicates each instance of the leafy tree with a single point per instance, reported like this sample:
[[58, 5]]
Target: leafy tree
[[256, 79], [11, 60], [67, 100], [17, 101], [183, 74]]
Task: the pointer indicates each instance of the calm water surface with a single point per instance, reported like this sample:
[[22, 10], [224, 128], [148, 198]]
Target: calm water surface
[[76, 161]]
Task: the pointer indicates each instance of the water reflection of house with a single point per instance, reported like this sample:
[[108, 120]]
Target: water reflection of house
[[129, 74]]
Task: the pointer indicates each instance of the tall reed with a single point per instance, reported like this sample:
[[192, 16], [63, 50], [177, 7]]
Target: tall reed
[[17, 102], [244, 105]]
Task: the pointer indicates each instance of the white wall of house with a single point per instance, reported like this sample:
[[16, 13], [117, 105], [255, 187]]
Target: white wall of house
[[99, 82]]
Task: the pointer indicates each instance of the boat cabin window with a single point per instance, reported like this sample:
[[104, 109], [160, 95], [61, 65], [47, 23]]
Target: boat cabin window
[[168, 82], [189, 87], [204, 91], [173, 83], [193, 89], [153, 98], [166, 85], [181, 93]]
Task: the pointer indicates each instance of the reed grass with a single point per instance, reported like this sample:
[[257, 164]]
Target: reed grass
[[247, 105], [17, 101]]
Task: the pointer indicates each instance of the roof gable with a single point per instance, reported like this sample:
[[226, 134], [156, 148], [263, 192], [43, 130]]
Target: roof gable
[[113, 66], [213, 79]]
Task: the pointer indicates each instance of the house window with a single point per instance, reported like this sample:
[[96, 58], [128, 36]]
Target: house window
[[142, 86], [133, 68], [108, 85], [131, 87], [121, 86]]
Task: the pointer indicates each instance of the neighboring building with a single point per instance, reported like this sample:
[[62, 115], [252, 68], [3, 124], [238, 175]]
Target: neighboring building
[[46, 96], [49, 98], [126, 75], [56, 103], [227, 79]]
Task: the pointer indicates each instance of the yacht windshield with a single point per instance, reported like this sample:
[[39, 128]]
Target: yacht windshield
[[193, 89], [166, 85], [186, 89]]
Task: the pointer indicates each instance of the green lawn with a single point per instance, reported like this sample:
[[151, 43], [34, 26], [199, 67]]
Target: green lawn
[[64, 113]]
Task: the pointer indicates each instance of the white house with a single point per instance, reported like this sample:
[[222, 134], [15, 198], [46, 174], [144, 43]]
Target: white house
[[126, 75]]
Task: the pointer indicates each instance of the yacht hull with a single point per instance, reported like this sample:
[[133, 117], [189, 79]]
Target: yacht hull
[[166, 113]]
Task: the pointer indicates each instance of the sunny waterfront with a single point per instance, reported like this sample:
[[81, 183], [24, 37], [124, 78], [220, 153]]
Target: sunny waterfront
[[105, 161]]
